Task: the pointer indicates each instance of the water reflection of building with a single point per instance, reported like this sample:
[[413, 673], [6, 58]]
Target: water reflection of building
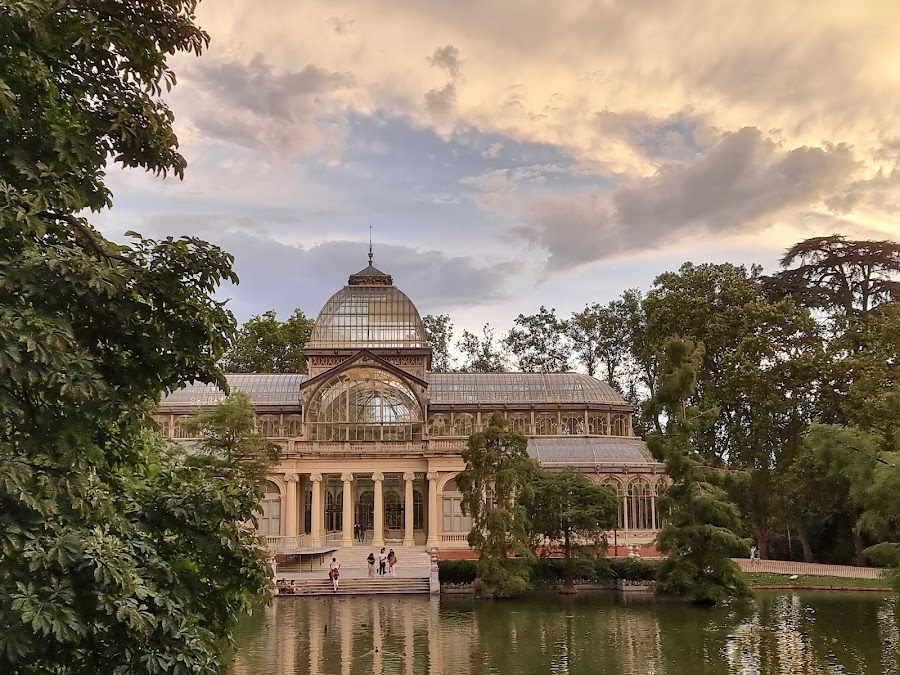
[[371, 436]]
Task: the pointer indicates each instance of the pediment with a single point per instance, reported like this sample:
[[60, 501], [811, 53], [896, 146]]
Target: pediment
[[364, 358]]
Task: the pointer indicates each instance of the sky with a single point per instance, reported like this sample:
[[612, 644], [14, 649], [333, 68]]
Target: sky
[[509, 154]]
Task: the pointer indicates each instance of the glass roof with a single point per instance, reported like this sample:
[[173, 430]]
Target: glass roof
[[263, 389], [365, 317], [444, 388], [589, 451], [448, 388]]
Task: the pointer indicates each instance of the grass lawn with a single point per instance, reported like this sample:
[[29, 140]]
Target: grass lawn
[[768, 579]]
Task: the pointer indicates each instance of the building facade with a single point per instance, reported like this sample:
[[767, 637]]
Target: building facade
[[371, 436]]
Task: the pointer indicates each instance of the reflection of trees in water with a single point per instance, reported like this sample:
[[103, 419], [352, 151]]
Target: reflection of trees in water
[[813, 633], [799, 633]]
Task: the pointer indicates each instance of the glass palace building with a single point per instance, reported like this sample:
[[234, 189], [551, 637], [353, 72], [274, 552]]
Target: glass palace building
[[371, 436]]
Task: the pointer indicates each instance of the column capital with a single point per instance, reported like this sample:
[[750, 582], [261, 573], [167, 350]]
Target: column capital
[[315, 477], [409, 475], [291, 478], [432, 475], [347, 477], [378, 477]]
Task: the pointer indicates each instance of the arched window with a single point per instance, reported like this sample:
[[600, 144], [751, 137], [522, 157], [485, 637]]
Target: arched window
[[546, 424], [163, 424], [268, 425], [181, 430], [573, 424], [616, 487], [393, 510], [486, 418], [520, 422], [365, 510], [270, 512], [640, 505], [418, 511], [597, 425], [463, 424], [438, 425], [364, 404], [293, 425], [619, 427]]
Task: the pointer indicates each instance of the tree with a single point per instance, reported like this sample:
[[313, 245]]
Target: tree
[[228, 437], [836, 274], [481, 354], [700, 521], [494, 484], [117, 555], [266, 345], [599, 340], [567, 507], [439, 332], [538, 343]]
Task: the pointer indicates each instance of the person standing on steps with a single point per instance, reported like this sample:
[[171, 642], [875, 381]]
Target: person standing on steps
[[371, 561], [334, 571], [392, 560], [382, 559], [357, 530]]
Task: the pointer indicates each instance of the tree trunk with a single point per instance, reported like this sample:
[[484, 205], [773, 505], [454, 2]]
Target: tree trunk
[[760, 534], [568, 587], [803, 535], [858, 546]]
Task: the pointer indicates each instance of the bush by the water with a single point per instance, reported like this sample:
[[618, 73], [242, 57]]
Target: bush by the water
[[885, 554], [546, 572]]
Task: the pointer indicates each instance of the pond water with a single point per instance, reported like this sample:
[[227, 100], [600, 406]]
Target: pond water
[[778, 632]]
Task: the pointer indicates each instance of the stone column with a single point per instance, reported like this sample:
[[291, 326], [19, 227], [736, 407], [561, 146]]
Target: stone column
[[433, 540], [290, 522], [347, 534], [316, 533], [629, 431], [408, 510], [378, 534], [301, 503]]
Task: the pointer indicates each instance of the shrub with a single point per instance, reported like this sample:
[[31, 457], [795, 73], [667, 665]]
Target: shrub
[[634, 569], [885, 554], [457, 571]]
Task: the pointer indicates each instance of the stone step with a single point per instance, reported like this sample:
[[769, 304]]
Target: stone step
[[307, 587]]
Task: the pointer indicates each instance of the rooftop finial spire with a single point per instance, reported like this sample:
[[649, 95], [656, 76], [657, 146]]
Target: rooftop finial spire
[[370, 244]]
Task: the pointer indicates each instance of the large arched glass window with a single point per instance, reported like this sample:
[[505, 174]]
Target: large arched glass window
[[573, 424], [619, 425], [546, 424], [334, 512], [393, 510], [439, 425], [364, 404], [268, 425], [520, 422], [365, 510], [597, 425], [418, 510], [640, 505]]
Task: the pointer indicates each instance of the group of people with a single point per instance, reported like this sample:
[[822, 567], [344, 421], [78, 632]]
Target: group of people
[[388, 560]]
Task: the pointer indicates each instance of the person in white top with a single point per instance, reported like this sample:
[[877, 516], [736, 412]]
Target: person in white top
[[334, 571], [382, 560]]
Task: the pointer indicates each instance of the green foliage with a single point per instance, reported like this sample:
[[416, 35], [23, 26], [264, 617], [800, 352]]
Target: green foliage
[[481, 354], [538, 343], [598, 337], [700, 521], [266, 345], [497, 477], [116, 554], [885, 554], [439, 331], [457, 571], [228, 437], [568, 508], [634, 569]]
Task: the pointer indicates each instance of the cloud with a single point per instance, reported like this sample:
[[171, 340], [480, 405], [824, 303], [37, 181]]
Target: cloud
[[441, 101], [741, 184], [446, 57], [251, 105]]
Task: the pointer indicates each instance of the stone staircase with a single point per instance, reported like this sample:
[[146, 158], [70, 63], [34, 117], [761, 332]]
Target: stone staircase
[[360, 586], [413, 574]]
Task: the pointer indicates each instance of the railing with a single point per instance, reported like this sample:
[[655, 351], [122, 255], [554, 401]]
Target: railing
[[279, 544], [455, 537]]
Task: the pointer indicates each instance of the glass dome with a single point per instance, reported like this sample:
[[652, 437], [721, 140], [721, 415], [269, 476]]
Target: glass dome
[[365, 317]]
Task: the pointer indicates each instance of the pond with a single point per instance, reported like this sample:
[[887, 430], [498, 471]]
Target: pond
[[604, 632]]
